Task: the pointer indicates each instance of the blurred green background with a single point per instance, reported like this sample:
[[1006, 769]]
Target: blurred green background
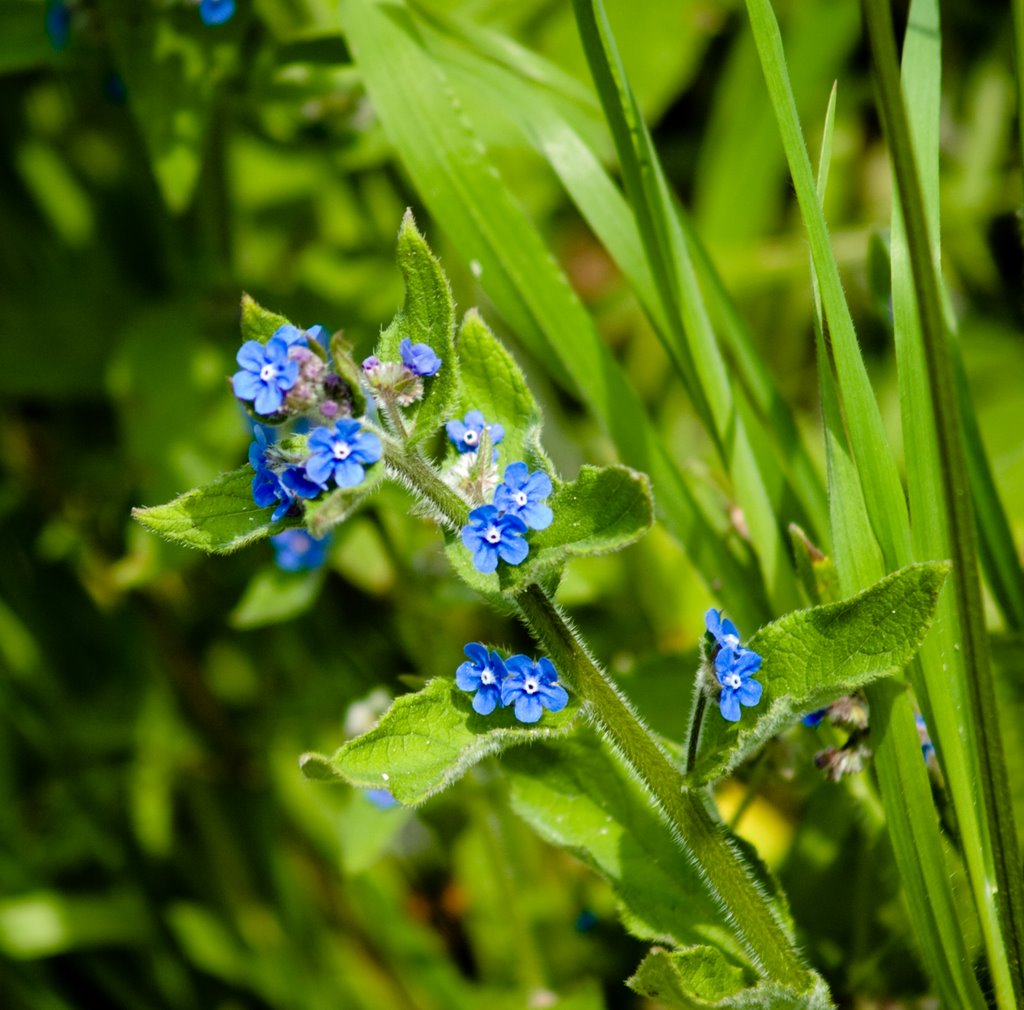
[[158, 846]]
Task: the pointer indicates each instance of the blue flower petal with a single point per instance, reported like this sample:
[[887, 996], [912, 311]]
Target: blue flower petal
[[528, 708], [268, 401], [251, 356], [485, 701], [553, 697], [730, 705], [537, 516], [348, 473], [246, 385], [749, 692], [513, 549], [485, 559]]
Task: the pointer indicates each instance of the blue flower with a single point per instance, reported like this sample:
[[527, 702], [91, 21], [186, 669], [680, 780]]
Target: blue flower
[[531, 687], [927, 747], [299, 551], [815, 717], [721, 629], [465, 434], [341, 452], [735, 667], [267, 374], [491, 535], [270, 488], [381, 798], [522, 495], [483, 673], [216, 12], [292, 335], [419, 358], [58, 24]]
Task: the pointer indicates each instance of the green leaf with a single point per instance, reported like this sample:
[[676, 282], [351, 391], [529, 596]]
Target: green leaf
[[577, 795], [604, 509], [811, 657], [493, 384], [427, 317], [274, 595], [218, 517], [259, 323], [427, 740], [696, 978], [816, 570]]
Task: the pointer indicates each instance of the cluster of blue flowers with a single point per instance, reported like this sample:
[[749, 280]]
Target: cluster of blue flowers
[[735, 667], [497, 531], [528, 686]]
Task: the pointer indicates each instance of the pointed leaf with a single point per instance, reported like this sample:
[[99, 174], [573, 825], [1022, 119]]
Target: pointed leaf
[[427, 317], [259, 323], [700, 978], [218, 517], [426, 741], [811, 657], [493, 384], [273, 596]]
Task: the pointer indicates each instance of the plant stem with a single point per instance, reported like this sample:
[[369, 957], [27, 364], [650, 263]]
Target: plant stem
[[1004, 894], [700, 837], [760, 928], [693, 740]]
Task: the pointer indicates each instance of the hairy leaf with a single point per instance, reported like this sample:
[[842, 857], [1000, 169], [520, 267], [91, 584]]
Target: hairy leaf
[[811, 657], [427, 740], [427, 316], [700, 978], [259, 323], [577, 795], [218, 517]]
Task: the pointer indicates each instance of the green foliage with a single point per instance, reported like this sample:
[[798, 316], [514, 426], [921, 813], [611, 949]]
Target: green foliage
[[428, 740], [219, 517], [577, 795], [700, 978], [427, 317], [259, 323], [274, 595], [811, 657]]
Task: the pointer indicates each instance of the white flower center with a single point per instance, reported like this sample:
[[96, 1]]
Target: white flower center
[[530, 685], [486, 676], [471, 437], [733, 680], [731, 640], [342, 450], [493, 535], [520, 498], [268, 373]]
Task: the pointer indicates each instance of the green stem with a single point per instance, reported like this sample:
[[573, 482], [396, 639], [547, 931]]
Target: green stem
[[759, 926], [1005, 892], [693, 740], [701, 838]]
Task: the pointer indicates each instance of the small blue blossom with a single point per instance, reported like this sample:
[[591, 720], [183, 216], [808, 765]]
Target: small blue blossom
[[531, 687], [381, 798], [815, 717], [927, 747], [482, 673], [216, 12], [419, 358], [58, 24], [465, 434], [267, 374], [292, 336], [271, 488], [490, 535], [341, 452], [523, 494], [299, 551], [735, 667], [721, 629]]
